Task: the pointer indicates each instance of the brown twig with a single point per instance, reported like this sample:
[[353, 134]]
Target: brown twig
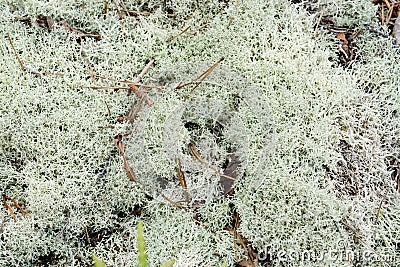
[[238, 239], [193, 150], [117, 7], [107, 87], [8, 207], [128, 169], [141, 94], [97, 87], [193, 33], [80, 33], [144, 71], [133, 112], [26, 67], [234, 11], [129, 172], [21, 63], [173, 202], [132, 85], [91, 69], [132, 12], [378, 213], [105, 8], [206, 73], [121, 16], [182, 180], [136, 81], [179, 34], [198, 80]]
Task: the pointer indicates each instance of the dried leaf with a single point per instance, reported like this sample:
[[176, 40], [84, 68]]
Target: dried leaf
[[247, 263], [45, 22], [123, 119], [98, 262], [231, 171], [342, 36]]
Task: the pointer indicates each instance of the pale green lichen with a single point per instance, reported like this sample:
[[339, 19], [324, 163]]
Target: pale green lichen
[[287, 111]]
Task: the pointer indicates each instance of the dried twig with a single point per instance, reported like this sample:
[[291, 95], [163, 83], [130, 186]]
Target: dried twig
[[193, 33], [24, 66], [120, 15], [97, 87], [141, 94], [318, 22], [379, 212], [134, 111], [396, 30], [182, 180], [21, 63], [132, 85], [193, 150], [173, 202], [128, 169], [80, 33], [198, 80], [105, 8], [234, 11], [8, 207], [144, 71], [238, 239], [129, 172], [132, 12], [179, 34], [107, 87]]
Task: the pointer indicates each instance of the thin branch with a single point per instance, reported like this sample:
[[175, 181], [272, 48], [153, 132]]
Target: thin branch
[[173, 202], [21, 63], [133, 112], [141, 93], [8, 207], [234, 11], [80, 33], [107, 87], [198, 80], [105, 8], [318, 22], [144, 71], [128, 169], [179, 34], [193, 150], [132, 12], [182, 180]]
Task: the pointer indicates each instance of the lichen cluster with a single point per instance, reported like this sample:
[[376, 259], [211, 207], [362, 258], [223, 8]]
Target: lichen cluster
[[316, 143]]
